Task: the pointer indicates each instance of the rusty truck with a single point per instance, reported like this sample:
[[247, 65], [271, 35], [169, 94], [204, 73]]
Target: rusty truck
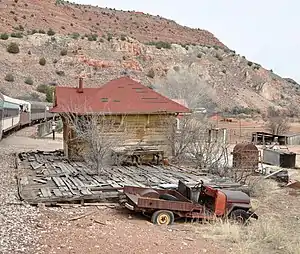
[[201, 201]]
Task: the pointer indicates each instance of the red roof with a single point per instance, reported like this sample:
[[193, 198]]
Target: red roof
[[119, 96]]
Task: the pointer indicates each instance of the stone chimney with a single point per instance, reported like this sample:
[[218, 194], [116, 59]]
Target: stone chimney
[[80, 85]]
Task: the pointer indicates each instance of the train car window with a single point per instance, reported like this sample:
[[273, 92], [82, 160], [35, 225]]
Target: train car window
[[10, 112]]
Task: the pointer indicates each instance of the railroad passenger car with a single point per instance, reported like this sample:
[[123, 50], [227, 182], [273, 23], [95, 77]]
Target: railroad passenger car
[[11, 114], [40, 111], [1, 114], [15, 113]]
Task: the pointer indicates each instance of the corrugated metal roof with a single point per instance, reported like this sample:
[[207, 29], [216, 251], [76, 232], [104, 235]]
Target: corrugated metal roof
[[123, 95]]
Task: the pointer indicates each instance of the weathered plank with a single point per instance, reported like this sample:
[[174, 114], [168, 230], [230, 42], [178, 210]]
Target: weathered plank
[[57, 193], [35, 165], [58, 181], [39, 181], [46, 192]]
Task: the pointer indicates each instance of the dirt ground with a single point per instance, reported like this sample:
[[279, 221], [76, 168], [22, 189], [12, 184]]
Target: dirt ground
[[26, 229], [241, 130]]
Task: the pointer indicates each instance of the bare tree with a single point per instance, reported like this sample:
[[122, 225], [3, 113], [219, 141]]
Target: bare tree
[[277, 122], [194, 141], [185, 83], [95, 136]]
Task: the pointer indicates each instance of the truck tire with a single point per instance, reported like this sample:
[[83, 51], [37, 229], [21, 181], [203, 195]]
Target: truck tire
[[239, 215], [162, 217], [168, 197]]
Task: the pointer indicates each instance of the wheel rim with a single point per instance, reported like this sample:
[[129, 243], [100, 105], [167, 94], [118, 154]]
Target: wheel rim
[[239, 219], [163, 219]]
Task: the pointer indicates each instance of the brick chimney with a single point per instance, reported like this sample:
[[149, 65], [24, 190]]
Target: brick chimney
[[80, 85]]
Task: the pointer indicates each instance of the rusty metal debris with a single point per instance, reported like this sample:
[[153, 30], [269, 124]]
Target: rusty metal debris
[[294, 184], [245, 156]]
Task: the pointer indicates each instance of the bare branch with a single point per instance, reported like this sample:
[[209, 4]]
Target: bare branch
[[186, 84], [277, 122], [195, 142], [93, 136]]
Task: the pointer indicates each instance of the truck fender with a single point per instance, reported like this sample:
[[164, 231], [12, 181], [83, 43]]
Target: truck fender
[[245, 207]]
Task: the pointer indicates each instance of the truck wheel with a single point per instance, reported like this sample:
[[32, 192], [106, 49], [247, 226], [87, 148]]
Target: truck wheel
[[162, 217], [239, 215]]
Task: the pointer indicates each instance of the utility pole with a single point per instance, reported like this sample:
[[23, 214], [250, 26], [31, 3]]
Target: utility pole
[[240, 127]]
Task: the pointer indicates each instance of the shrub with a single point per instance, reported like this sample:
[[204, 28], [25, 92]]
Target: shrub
[[20, 27], [42, 88], [160, 44], [41, 31], [48, 90], [93, 37], [13, 48], [256, 66], [199, 55], [63, 52], [49, 94], [249, 63], [34, 96], [219, 57], [17, 35], [42, 61], [34, 31], [151, 73], [4, 36], [50, 32], [60, 73], [59, 126], [243, 110], [109, 37], [123, 37], [9, 77], [29, 81], [75, 36]]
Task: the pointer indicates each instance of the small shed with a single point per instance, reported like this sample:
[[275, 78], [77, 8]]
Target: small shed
[[264, 138], [245, 156], [284, 159]]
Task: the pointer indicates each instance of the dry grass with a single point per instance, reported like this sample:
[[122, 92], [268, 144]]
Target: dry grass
[[276, 231], [267, 235], [260, 188]]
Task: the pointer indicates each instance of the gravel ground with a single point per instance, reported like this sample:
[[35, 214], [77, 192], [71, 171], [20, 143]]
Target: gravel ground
[[18, 221], [37, 230], [40, 230]]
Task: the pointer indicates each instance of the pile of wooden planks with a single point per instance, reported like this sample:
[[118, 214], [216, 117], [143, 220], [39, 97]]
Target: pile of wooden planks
[[50, 178]]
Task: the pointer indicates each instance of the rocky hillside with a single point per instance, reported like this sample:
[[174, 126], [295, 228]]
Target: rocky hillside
[[201, 70], [66, 18]]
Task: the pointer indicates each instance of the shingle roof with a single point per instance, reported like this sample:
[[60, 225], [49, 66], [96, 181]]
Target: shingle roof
[[119, 96]]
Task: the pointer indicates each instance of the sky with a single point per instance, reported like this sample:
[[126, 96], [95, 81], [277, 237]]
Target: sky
[[264, 31]]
